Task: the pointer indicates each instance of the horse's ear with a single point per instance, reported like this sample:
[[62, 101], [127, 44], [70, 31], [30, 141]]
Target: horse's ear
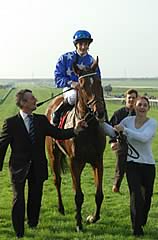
[[95, 64], [76, 69]]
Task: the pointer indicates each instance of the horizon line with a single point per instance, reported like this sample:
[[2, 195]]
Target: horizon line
[[47, 78]]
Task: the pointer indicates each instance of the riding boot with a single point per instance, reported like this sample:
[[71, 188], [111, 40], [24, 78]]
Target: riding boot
[[63, 107]]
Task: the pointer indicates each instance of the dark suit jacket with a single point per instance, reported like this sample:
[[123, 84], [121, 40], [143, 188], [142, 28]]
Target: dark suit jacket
[[23, 153], [120, 114]]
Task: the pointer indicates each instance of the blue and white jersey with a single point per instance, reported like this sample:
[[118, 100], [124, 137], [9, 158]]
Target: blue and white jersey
[[64, 74]]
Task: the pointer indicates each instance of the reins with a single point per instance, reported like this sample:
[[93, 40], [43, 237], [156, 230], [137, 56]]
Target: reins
[[41, 103], [132, 152], [86, 75]]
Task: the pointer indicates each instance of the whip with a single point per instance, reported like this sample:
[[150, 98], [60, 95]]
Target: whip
[[41, 103]]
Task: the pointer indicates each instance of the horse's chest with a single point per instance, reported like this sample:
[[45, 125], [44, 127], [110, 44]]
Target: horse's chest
[[87, 149]]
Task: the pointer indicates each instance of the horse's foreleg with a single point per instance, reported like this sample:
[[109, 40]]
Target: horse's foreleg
[[98, 178], [57, 182], [79, 197]]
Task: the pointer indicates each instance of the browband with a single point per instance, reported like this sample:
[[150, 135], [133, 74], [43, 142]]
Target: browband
[[87, 75]]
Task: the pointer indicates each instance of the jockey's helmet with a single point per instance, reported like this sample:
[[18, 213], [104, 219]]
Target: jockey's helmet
[[82, 35]]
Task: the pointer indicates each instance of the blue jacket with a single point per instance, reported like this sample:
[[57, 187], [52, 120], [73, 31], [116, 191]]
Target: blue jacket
[[64, 74]]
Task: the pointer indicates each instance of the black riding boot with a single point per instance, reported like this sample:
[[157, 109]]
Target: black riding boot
[[64, 107]]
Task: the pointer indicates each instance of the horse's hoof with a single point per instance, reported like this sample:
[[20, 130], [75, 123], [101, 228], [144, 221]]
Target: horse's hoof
[[92, 219], [61, 211], [79, 229]]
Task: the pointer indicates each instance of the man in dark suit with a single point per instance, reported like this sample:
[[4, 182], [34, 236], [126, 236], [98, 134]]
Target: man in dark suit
[[28, 159]]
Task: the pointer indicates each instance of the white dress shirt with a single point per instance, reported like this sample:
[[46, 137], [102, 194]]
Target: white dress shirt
[[25, 118]]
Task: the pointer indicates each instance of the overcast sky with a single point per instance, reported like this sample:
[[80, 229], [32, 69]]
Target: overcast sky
[[34, 33]]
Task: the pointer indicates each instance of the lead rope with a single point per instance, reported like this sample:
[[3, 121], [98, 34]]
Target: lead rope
[[132, 152]]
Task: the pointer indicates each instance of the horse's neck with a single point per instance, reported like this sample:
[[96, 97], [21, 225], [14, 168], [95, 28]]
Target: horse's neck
[[76, 114], [70, 120], [81, 109]]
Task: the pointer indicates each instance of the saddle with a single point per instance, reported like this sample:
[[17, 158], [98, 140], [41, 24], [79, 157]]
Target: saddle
[[63, 120], [66, 121]]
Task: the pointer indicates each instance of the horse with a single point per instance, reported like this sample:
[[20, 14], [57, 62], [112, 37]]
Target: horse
[[87, 147]]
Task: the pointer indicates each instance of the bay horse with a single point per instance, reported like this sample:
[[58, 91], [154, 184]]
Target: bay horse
[[87, 147]]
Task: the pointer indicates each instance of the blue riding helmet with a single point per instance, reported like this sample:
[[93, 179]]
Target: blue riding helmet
[[82, 35]]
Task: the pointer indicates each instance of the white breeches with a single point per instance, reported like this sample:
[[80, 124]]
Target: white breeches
[[70, 95]]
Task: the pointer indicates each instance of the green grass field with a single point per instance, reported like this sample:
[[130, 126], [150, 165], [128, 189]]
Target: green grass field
[[115, 219]]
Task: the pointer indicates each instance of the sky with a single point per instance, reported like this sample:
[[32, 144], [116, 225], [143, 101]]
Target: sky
[[34, 33]]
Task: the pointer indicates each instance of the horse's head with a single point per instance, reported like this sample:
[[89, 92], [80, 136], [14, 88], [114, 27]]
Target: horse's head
[[90, 89]]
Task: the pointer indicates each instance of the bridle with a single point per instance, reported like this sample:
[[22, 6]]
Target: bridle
[[87, 75], [90, 115], [95, 99]]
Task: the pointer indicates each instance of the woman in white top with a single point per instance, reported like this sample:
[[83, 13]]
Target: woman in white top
[[140, 170]]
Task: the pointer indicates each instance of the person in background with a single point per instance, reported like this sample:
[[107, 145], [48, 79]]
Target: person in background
[[64, 75], [25, 133], [121, 155], [140, 170]]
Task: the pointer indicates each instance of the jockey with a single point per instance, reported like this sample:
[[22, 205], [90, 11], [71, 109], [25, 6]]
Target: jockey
[[65, 77]]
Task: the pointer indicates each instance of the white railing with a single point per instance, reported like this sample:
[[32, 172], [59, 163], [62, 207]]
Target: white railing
[[153, 102]]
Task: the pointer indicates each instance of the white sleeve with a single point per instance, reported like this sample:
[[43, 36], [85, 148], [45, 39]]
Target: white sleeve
[[142, 136], [108, 129]]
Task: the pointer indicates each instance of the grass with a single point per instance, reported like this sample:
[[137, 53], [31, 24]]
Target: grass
[[115, 219]]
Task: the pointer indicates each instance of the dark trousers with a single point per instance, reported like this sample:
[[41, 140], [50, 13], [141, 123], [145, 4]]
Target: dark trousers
[[120, 168], [140, 178], [35, 189]]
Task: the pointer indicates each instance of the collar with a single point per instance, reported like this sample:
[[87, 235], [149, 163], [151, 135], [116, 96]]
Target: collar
[[128, 110], [81, 55], [23, 114]]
